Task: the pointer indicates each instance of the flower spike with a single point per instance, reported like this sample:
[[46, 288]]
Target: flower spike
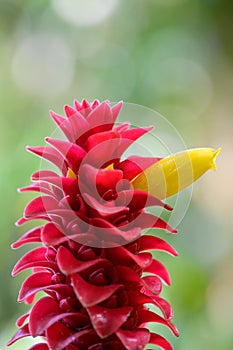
[[94, 263]]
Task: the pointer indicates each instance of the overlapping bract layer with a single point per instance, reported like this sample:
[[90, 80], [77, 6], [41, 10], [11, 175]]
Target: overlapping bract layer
[[93, 263]]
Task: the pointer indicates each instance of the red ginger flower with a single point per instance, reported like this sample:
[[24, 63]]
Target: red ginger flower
[[92, 260]]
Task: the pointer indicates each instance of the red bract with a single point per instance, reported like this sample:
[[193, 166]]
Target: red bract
[[93, 265]]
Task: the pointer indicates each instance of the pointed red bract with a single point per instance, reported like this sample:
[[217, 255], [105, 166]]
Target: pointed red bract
[[135, 340], [89, 294], [93, 263], [156, 339], [32, 236], [34, 283], [107, 321]]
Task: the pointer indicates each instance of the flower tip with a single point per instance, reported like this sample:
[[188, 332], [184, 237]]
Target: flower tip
[[85, 104], [120, 103], [13, 246], [17, 223], [20, 221], [13, 274], [214, 157], [174, 231], [149, 128], [175, 253], [32, 149]]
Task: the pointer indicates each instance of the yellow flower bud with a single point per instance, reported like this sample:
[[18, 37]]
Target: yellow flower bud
[[172, 174], [70, 174]]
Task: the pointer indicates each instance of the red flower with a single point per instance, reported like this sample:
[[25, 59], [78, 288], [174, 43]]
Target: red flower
[[92, 260]]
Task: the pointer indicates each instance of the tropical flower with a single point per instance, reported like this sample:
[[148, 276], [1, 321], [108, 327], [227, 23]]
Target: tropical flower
[[93, 263]]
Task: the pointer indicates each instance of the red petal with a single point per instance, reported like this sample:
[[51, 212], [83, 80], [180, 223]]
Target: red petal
[[22, 221], [108, 321], [90, 295], [122, 127], [159, 341], [45, 313], [106, 209], [50, 154], [128, 137], [73, 153], [36, 188], [103, 141], [157, 268], [62, 291], [78, 123], [45, 178], [147, 220], [102, 116], [51, 235], [99, 179], [122, 256], [63, 124], [105, 232], [34, 258], [70, 111], [40, 206], [95, 103], [31, 236], [137, 200], [21, 333], [152, 242], [153, 283], [135, 133], [103, 147], [69, 264], [126, 274], [146, 316], [36, 254], [134, 165], [85, 105], [137, 298], [116, 110], [164, 306], [68, 185], [33, 284], [57, 118], [134, 340], [20, 321], [77, 105], [43, 174], [59, 337]]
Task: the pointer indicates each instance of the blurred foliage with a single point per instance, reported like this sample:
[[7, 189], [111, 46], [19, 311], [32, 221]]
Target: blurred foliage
[[174, 56]]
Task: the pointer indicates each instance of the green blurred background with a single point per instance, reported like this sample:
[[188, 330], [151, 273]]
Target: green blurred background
[[174, 56]]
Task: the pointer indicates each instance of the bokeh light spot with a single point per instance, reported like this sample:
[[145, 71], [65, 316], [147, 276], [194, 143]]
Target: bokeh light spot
[[84, 12], [43, 65]]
